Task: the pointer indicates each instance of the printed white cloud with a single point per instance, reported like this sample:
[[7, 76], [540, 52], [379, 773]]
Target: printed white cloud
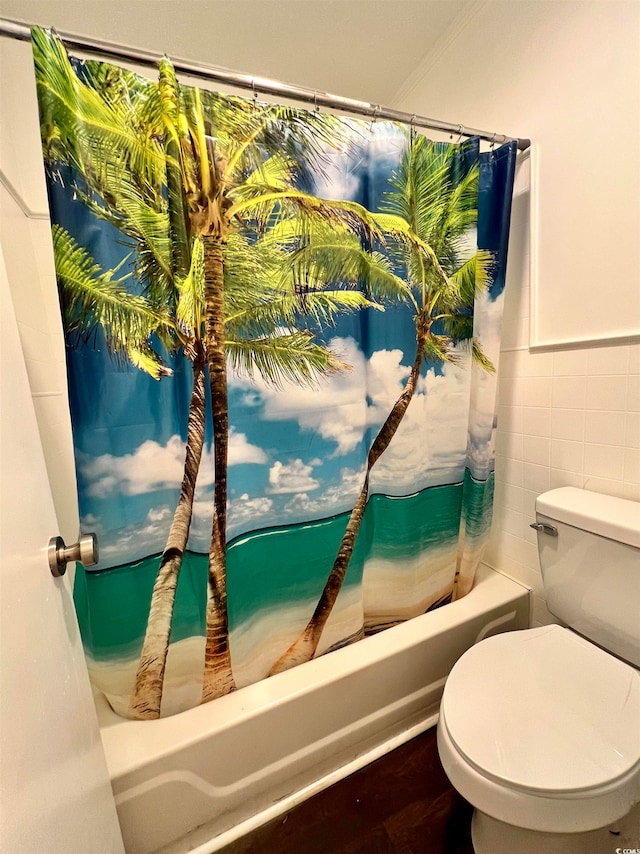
[[429, 445], [487, 324], [242, 451], [480, 448], [450, 420], [386, 378], [243, 513], [152, 466], [201, 520], [251, 398], [467, 244], [431, 440], [246, 513], [243, 510], [300, 505], [336, 407], [158, 514], [337, 180], [132, 542], [126, 544], [335, 499], [294, 476], [377, 145]]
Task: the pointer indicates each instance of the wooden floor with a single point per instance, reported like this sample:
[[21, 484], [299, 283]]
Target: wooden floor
[[401, 804]]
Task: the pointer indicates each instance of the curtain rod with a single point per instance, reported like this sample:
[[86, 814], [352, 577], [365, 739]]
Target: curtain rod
[[22, 32]]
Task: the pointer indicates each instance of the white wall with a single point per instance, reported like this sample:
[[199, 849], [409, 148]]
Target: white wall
[[567, 416], [566, 75], [28, 253], [356, 48]]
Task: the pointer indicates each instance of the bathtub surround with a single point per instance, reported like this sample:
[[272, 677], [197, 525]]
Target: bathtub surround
[[341, 279]]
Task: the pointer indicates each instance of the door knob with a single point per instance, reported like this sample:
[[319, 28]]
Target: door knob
[[85, 551]]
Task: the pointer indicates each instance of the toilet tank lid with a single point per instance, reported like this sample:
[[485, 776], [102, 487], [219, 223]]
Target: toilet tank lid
[[606, 515]]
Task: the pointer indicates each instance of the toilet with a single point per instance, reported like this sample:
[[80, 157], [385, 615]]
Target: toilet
[[540, 729]]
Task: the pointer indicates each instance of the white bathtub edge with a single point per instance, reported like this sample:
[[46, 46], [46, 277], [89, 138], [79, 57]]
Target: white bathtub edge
[[291, 801]]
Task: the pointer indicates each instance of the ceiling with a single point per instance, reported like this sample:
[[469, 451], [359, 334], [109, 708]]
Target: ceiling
[[362, 49]]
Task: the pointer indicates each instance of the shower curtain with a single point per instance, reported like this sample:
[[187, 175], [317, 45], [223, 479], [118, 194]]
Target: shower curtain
[[282, 329]]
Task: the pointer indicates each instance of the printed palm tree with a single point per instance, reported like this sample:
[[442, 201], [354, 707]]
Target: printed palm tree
[[242, 166], [192, 205], [436, 199], [106, 123]]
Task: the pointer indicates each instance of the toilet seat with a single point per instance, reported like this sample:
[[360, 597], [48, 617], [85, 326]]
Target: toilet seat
[[540, 728], [563, 714]]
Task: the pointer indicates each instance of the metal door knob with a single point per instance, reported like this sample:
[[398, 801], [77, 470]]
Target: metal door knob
[[85, 551]]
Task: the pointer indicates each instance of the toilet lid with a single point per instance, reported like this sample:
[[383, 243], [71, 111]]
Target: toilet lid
[[544, 710]]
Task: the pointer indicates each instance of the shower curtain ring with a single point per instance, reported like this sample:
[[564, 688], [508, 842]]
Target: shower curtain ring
[[316, 108], [255, 94], [460, 134], [374, 115], [493, 141]]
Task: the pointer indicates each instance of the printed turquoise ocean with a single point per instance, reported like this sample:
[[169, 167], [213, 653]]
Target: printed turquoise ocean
[[273, 567]]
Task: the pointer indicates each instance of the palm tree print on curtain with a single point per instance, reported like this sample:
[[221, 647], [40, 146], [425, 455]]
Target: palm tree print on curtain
[[436, 198], [243, 301]]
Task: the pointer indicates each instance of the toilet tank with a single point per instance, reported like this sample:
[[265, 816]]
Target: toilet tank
[[591, 569]]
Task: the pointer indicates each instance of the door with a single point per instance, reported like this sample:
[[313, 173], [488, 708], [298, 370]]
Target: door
[[55, 794]]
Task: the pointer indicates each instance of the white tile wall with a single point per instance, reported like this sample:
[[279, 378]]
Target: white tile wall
[[28, 255], [565, 418]]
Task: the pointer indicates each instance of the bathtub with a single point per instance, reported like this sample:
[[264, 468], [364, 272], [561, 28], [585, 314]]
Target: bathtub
[[198, 780]]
